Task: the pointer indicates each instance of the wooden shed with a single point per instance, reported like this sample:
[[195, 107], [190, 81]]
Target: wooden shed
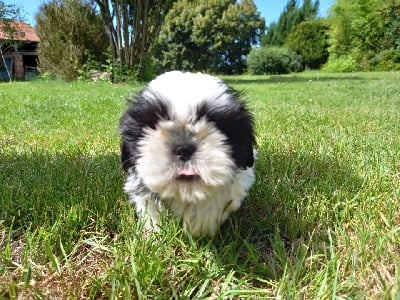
[[18, 41]]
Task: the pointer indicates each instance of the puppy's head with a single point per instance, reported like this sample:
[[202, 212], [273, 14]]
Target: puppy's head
[[186, 135]]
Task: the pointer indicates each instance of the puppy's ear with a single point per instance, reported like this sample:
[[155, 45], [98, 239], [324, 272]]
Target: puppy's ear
[[236, 123], [130, 134], [126, 157], [142, 113], [131, 128], [238, 128]]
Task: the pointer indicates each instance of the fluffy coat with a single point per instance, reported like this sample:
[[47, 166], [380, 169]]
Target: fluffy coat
[[187, 146]]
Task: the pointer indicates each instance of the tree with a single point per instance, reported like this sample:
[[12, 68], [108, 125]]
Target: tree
[[132, 27], [292, 15], [341, 29], [8, 12], [70, 33], [212, 35], [389, 13], [309, 39], [367, 32]]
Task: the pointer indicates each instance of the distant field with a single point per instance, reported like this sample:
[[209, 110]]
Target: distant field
[[322, 220]]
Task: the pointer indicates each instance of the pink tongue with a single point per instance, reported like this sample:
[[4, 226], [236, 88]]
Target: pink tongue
[[187, 172]]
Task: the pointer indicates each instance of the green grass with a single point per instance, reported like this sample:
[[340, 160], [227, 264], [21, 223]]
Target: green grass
[[322, 220]]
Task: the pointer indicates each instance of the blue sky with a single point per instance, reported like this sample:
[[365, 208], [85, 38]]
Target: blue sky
[[269, 9]]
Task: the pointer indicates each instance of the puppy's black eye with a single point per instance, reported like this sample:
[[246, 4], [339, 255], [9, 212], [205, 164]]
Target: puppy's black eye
[[184, 151]]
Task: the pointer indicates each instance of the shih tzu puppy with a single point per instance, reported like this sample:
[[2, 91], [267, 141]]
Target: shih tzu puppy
[[187, 146]]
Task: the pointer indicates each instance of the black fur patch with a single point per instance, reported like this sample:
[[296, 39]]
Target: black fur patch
[[142, 113], [236, 123]]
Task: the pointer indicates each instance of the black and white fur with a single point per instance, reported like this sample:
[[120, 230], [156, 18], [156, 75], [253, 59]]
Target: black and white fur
[[187, 146]]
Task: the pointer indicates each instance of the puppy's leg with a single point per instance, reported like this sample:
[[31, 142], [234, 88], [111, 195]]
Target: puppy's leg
[[146, 202], [205, 217], [202, 219], [147, 208]]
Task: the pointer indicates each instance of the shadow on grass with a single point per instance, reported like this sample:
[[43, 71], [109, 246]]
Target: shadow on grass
[[297, 197], [65, 191], [291, 79]]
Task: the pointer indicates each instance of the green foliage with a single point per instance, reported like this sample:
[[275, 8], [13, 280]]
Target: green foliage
[[121, 73], [386, 60], [273, 60], [132, 28], [84, 73], [342, 64], [367, 29], [9, 11], [213, 36], [390, 14], [70, 33], [292, 15], [309, 39], [110, 71]]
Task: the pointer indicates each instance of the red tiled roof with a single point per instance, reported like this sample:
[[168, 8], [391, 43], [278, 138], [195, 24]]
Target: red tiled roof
[[24, 32]]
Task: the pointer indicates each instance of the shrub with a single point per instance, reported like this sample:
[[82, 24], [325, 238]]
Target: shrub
[[273, 60], [341, 64], [310, 40], [70, 33], [387, 60]]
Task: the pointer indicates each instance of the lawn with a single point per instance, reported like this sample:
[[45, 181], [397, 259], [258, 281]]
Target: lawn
[[322, 220]]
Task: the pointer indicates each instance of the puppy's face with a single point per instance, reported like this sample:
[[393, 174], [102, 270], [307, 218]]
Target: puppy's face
[[186, 135], [185, 160]]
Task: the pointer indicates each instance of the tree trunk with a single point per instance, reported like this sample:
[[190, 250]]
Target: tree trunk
[[132, 27], [109, 27], [4, 61], [143, 50]]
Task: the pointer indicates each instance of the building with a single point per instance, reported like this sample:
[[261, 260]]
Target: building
[[18, 42]]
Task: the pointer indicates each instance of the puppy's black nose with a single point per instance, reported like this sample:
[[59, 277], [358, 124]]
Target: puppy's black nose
[[185, 151]]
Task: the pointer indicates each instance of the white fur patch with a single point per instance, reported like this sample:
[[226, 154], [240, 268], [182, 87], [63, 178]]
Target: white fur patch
[[202, 217], [211, 161], [184, 91]]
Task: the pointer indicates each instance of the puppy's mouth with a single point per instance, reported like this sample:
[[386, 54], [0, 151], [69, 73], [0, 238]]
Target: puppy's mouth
[[187, 175]]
